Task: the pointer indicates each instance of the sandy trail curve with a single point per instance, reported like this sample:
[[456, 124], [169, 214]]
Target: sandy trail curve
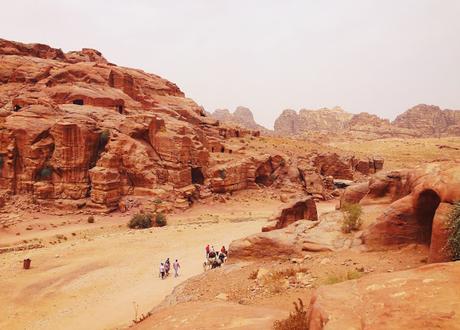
[[97, 281]]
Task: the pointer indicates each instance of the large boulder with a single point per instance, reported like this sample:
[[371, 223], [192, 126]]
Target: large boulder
[[420, 202], [299, 210], [421, 298]]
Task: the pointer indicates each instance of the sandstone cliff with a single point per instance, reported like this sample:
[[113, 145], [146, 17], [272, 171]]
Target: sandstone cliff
[[291, 123], [78, 129], [429, 120]]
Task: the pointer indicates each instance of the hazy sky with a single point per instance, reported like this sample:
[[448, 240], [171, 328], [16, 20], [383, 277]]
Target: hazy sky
[[364, 55]]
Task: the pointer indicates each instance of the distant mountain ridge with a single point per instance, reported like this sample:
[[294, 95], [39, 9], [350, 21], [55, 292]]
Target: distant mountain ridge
[[419, 121], [242, 116]]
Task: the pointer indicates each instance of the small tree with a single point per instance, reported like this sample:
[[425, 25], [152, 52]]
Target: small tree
[[453, 241], [351, 217]]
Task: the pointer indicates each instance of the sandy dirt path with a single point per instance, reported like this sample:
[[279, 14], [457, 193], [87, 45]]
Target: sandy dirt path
[[97, 281]]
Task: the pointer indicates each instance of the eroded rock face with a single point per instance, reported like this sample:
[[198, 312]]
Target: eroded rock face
[[291, 123], [419, 202], [300, 210], [75, 127], [429, 120], [413, 299]]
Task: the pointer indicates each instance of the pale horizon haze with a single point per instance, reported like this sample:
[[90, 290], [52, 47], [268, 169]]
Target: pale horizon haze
[[381, 57]]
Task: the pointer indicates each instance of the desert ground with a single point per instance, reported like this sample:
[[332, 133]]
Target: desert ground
[[96, 269]]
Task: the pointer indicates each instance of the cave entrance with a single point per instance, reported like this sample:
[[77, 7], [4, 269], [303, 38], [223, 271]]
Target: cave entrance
[[78, 102], [426, 206], [120, 109], [16, 108], [263, 180], [264, 175], [197, 175]]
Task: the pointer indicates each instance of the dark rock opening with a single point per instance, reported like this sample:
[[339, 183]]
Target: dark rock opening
[[263, 180], [78, 102], [16, 108], [222, 149], [426, 206], [263, 175], [120, 109], [197, 175]]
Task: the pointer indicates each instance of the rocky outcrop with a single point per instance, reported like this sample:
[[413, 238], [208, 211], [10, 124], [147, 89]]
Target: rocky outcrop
[[296, 239], [340, 167], [425, 297], [429, 120], [299, 210], [291, 123], [419, 202], [242, 116], [75, 127], [250, 172]]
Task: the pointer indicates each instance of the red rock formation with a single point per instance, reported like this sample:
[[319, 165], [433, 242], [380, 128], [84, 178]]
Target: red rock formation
[[420, 201], [429, 120], [291, 123], [75, 127], [421, 298], [300, 210]]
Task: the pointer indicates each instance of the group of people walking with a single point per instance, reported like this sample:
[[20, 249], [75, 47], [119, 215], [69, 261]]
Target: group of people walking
[[166, 267], [213, 259]]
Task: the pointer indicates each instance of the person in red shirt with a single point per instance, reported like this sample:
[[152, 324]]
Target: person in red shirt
[[207, 250]]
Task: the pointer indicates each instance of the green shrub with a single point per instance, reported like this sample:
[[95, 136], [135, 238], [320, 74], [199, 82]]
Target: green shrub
[[222, 174], [104, 139], [160, 220], [91, 219], [298, 320], [351, 217], [140, 220], [453, 241], [45, 173]]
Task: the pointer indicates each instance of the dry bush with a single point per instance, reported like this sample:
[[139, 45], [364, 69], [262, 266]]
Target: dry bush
[[297, 320], [288, 272], [140, 221], [351, 217], [160, 220], [453, 241], [90, 219], [253, 274], [337, 278]]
